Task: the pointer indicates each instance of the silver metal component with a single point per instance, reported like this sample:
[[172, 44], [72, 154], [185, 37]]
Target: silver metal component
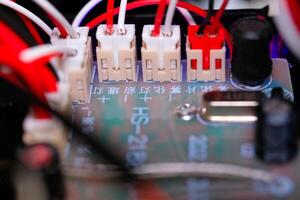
[[122, 31], [168, 34], [230, 106], [186, 111], [173, 170]]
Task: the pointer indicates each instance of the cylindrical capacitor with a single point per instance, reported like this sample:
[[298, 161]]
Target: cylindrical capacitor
[[276, 135], [251, 63]]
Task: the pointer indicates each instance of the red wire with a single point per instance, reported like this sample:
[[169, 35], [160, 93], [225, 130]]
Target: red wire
[[37, 77], [110, 16], [30, 26], [159, 17], [11, 78], [63, 32], [294, 6], [15, 45], [34, 84], [10, 40], [35, 34], [138, 4], [220, 12]]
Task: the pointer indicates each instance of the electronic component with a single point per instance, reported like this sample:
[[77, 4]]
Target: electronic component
[[50, 131], [116, 54], [161, 55], [193, 137], [230, 106], [76, 69], [251, 62], [206, 55], [276, 137], [45, 159]]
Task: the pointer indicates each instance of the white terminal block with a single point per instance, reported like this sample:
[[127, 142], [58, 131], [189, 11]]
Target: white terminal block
[[161, 55], [76, 70], [116, 54], [214, 73], [50, 131], [60, 100], [83, 35]]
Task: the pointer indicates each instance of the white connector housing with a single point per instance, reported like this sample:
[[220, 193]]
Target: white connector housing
[[76, 70], [60, 100], [116, 54], [82, 40], [211, 74], [49, 131], [161, 55], [206, 54]]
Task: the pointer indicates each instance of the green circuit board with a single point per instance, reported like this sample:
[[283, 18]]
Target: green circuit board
[[138, 121]]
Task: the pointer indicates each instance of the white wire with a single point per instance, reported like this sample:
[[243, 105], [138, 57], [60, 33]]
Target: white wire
[[32, 54], [92, 3], [169, 17], [287, 28], [84, 11], [51, 10], [27, 13], [187, 15], [121, 18]]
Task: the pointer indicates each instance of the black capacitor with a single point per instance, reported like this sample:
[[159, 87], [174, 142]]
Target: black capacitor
[[251, 63], [276, 135]]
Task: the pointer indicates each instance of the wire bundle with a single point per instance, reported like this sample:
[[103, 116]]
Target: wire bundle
[[27, 67], [42, 52]]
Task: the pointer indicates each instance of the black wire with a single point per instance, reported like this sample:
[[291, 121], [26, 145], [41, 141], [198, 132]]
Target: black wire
[[205, 22], [100, 149]]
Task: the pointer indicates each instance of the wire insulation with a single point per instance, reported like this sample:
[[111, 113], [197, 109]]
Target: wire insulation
[[294, 6], [84, 12], [44, 52], [142, 3], [219, 15], [110, 16], [187, 15], [34, 74], [287, 28], [32, 29], [121, 18], [159, 17], [27, 13], [221, 11], [102, 150], [206, 21], [169, 17], [57, 17]]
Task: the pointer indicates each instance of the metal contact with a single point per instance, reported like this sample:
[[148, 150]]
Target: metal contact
[[186, 111], [230, 106]]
